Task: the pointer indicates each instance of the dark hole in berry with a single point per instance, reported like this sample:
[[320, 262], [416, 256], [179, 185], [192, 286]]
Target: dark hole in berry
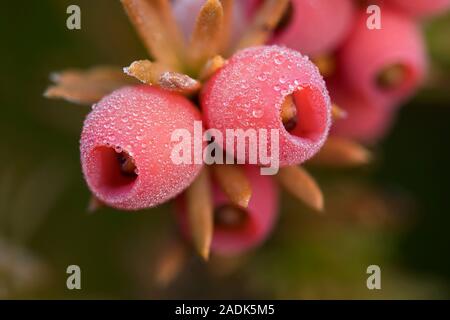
[[289, 113], [392, 77], [230, 217], [286, 19], [115, 172], [304, 113], [127, 166]]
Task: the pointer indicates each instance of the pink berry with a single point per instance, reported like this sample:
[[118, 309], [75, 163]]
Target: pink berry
[[252, 91], [421, 8], [239, 229], [384, 64], [126, 147], [313, 27], [367, 120]]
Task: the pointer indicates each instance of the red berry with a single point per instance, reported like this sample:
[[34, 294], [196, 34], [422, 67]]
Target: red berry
[[387, 63], [239, 229], [126, 147], [312, 27], [421, 8], [367, 120], [252, 91]]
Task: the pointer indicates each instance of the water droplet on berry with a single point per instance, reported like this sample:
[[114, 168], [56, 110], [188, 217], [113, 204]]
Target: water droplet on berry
[[262, 77], [257, 113]]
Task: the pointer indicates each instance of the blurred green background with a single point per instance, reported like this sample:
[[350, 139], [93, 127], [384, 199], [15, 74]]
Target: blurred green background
[[395, 214]]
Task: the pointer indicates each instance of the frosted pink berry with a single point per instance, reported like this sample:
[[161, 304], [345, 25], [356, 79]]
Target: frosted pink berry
[[239, 229], [312, 27], [387, 63], [126, 147], [270, 87], [367, 120], [421, 8]]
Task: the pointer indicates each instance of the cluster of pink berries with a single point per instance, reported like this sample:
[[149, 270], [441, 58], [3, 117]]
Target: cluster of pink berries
[[126, 143], [126, 140], [369, 72]]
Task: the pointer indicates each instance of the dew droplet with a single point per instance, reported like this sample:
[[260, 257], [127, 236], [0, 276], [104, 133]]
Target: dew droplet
[[262, 77], [257, 113]]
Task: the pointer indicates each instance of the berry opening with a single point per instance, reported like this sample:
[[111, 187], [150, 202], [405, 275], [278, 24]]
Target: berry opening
[[230, 218], [394, 77], [303, 114], [289, 113], [116, 171]]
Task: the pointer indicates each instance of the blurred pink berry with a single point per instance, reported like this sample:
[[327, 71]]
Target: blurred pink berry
[[237, 229], [384, 64], [421, 8], [252, 91], [367, 120], [126, 147], [312, 27]]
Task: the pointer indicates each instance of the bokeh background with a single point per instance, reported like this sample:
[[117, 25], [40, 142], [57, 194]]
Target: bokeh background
[[394, 213]]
